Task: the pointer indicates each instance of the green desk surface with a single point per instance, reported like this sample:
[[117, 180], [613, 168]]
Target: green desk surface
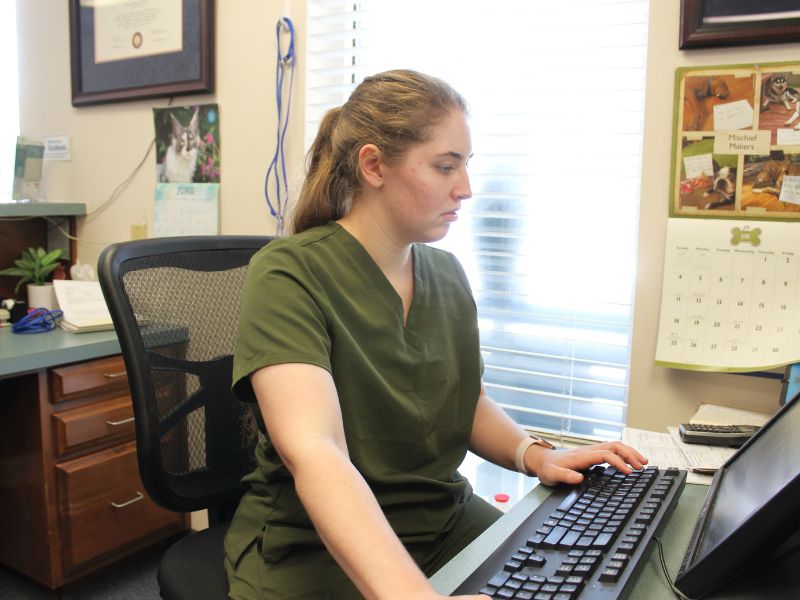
[[41, 209], [649, 583], [21, 354]]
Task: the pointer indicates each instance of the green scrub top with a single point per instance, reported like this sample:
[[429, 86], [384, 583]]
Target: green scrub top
[[407, 392]]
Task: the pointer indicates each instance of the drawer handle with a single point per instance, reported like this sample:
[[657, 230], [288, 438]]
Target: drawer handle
[[120, 422], [115, 375], [139, 496]]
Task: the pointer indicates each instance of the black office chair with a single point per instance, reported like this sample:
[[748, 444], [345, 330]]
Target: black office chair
[[175, 307]]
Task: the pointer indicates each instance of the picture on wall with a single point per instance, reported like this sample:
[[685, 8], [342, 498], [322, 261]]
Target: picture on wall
[[187, 144], [736, 142]]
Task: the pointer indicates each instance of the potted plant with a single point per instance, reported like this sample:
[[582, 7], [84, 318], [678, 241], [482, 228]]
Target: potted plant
[[34, 267]]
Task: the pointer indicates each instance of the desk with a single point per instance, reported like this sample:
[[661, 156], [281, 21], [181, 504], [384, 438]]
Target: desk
[[650, 583], [20, 354], [68, 458]]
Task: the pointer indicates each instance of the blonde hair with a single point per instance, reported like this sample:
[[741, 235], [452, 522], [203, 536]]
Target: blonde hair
[[391, 110]]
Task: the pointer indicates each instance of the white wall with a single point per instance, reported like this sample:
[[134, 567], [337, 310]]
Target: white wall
[[109, 140]]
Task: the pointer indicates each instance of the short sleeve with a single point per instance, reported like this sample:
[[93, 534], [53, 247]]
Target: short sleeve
[[281, 319]]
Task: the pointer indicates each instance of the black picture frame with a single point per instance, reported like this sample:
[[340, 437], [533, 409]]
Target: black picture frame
[[188, 71], [695, 32]]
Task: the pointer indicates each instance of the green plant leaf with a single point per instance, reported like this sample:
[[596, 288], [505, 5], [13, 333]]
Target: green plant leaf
[[51, 257], [14, 271]]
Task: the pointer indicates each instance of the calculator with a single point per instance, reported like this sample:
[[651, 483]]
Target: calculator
[[716, 435]]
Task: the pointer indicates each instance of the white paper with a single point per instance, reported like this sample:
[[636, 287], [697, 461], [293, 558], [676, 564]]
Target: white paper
[[697, 166], [661, 450], [83, 304], [713, 414], [788, 137], [125, 29], [790, 190], [733, 115]]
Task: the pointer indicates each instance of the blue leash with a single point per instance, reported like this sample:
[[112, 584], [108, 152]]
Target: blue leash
[[38, 320], [284, 62]]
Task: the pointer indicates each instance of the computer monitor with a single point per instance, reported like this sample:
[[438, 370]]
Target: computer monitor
[[752, 506], [790, 383]]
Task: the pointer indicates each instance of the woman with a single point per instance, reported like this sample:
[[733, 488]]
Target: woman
[[360, 344]]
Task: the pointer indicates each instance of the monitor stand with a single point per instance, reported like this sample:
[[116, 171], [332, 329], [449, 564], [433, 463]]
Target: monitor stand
[[777, 577]]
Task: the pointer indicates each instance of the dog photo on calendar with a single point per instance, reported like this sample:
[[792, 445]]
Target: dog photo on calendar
[[780, 103], [701, 93], [708, 180], [765, 178]]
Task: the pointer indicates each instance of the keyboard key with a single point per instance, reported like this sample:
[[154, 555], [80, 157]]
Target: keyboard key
[[567, 502], [523, 595], [512, 566], [532, 587], [569, 539], [535, 541], [554, 537], [603, 541], [499, 580], [626, 548], [504, 593], [609, 575], [535, 561]]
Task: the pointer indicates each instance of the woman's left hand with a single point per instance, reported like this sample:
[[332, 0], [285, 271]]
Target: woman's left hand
[[563, 466]]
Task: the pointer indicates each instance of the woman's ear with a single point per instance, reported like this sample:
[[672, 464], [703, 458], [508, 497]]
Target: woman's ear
[[370, 165]]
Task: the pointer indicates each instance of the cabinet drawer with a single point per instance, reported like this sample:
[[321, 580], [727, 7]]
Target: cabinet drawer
[[96, 423], [103, 505], [87, 378]]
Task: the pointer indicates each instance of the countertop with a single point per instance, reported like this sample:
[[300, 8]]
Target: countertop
[[24, 353]]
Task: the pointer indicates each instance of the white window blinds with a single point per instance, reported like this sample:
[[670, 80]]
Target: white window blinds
[[556, 93]]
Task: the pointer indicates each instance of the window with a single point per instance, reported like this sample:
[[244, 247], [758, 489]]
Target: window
[[556, 93]]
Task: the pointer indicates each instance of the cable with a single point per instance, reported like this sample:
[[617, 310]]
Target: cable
[[38, 320], [678, 593], [284, 62], [118, 190]]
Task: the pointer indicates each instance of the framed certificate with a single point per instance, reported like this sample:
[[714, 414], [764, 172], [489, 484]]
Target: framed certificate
[[124, 50], [714, 23]]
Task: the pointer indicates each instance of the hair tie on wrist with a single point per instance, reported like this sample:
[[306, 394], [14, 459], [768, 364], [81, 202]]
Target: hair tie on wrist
[[526, 443]]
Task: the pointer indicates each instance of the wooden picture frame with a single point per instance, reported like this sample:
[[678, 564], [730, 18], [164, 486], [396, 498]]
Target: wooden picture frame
[[113, 58], [697, 32]]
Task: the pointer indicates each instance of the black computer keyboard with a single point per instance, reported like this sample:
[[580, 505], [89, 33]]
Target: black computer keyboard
[[583, 541]]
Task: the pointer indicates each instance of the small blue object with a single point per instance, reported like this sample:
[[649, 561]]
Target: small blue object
[[277, 167], [37, 320]]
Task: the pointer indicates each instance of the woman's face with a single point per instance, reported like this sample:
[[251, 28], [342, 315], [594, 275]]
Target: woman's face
[[425, 187]]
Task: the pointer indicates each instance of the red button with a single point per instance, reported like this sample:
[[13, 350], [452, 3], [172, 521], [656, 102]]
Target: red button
[[501, 497]]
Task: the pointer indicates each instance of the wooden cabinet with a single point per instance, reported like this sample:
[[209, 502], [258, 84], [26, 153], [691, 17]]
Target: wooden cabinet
[[71, 500]]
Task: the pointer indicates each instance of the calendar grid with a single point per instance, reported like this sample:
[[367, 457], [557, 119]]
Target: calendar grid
[[729, 302]]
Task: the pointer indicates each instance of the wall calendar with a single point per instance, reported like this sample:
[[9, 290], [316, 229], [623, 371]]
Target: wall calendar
[[730, 299]]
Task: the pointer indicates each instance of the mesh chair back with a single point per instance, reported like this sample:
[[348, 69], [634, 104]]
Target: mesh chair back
[[175, 306]]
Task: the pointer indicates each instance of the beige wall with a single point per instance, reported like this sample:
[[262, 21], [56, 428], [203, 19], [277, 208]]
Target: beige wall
[[660, 396], [109, 141]]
